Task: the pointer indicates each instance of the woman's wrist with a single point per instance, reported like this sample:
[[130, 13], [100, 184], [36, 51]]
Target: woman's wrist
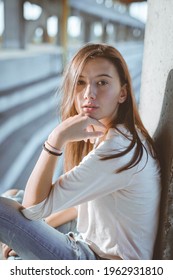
[[51, 150], [55, 140]]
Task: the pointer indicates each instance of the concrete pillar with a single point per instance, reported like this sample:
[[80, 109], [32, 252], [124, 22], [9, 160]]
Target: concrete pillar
[[111, 33], [59, 35], [121, 33], [14, 24], [157, 62], [86, 29], [62, 36], [104, 35], [64, 19], [163, 137]]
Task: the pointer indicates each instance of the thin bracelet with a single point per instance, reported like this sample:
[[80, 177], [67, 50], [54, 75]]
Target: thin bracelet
[[50, 152], [52, 148]]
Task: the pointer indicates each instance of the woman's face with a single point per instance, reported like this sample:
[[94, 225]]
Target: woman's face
[[98, 91]]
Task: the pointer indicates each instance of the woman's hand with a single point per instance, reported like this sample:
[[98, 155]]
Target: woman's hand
[[7, 252], [75, 128]]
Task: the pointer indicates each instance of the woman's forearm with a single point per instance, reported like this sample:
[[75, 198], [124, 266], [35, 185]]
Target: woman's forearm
[[40, 181], [61, 217]]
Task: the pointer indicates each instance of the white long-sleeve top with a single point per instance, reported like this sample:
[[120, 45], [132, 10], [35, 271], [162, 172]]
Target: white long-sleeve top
[[117, 212]]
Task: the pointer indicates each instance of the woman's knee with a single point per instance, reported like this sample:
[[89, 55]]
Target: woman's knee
[[10, 193], [7, 204]]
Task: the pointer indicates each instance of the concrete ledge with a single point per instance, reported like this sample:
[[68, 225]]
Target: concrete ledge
[[19, 68]]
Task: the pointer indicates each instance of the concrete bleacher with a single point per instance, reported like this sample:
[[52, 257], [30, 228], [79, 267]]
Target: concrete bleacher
[[28, 84]]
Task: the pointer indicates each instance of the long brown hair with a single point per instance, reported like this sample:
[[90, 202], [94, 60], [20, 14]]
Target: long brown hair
[[127, 112]]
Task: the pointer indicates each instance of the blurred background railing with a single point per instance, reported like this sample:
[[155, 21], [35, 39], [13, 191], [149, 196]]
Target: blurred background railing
[[37, 38]]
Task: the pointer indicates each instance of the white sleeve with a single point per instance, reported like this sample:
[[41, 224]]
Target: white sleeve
[[90, 179]]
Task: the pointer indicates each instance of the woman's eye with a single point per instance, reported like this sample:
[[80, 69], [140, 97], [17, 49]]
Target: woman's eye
[[80, 82], [102, 83]]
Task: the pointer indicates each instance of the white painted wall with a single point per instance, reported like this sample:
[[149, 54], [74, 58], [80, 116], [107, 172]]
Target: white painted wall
[[157, 60]]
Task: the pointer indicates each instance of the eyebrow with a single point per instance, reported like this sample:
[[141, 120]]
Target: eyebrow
[[100, 75]]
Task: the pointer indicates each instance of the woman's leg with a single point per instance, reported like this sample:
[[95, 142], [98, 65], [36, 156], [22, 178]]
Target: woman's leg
[[17, 195], [35, 240]]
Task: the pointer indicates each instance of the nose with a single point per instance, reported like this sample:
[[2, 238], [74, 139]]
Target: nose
[[90, 92]]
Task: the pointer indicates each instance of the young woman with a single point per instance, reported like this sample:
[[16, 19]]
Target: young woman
[[111, 171]]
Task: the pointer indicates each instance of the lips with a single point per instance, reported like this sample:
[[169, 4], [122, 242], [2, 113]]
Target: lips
[[90, 106]]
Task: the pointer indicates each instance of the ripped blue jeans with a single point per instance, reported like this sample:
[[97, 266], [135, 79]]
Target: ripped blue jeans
[[35, 240]]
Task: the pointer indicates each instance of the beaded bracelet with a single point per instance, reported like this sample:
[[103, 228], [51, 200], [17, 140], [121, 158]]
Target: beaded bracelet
[[51, 152]]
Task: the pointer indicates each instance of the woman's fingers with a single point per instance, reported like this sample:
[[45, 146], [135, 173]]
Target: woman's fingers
[[92, 129], [76, 128], [12, 253], [5, 251], [94, 122], [94, 134]]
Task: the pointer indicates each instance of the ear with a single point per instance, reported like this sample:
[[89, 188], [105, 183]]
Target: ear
[[123, 94]]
